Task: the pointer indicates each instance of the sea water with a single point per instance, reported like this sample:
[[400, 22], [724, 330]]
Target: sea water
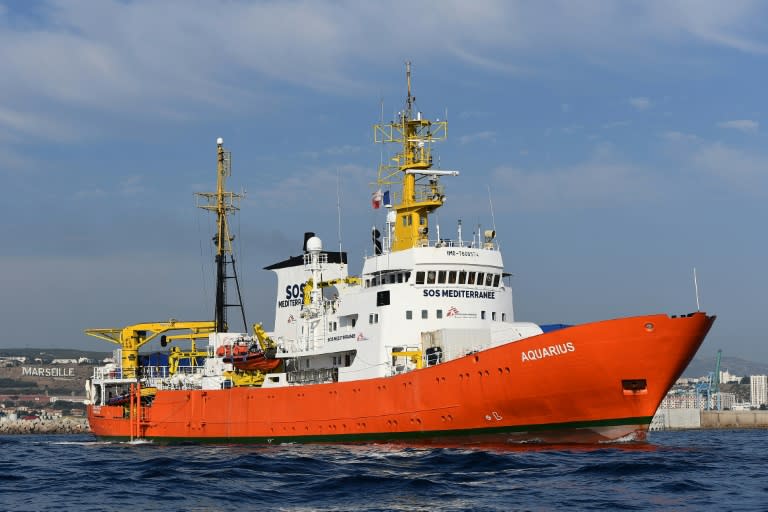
[[693, 470]]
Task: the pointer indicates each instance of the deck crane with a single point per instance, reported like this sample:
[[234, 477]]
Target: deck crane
[[133, 337]]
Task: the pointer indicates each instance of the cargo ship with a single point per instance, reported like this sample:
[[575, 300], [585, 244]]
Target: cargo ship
[[421, 347]]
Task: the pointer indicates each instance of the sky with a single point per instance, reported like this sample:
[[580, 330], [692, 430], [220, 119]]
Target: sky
[[614, 146]]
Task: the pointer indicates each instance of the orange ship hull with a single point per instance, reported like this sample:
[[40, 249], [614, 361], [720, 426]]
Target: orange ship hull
[[586, 383]]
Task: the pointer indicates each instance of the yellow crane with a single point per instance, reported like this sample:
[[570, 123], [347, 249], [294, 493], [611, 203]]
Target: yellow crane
[[133, 337]]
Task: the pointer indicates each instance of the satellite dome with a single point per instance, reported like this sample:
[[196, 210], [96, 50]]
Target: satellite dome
[[314, 244]]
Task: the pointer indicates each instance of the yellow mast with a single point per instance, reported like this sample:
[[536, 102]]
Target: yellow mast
[[416, 199], [223, 203]]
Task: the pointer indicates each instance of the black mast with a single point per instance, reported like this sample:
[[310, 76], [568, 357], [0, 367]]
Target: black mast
[[223, 203]]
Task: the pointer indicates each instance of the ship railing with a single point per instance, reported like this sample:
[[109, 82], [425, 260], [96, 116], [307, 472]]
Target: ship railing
[[313, 376], [145, 372], [154, 372], [107, 373], [462, 244]]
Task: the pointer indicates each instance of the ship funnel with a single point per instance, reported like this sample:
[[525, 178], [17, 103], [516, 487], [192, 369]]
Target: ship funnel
[[292, 276], [307, 236]]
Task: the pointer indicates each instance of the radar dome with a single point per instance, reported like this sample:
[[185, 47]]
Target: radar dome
[[314, 244]]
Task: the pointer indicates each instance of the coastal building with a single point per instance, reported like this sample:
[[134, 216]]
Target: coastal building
[[727, 377], [722, 402], [682, 400], [758, 390]]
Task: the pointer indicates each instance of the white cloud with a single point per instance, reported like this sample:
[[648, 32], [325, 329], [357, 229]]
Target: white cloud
[[174, 59], [600, 182], [616, 124], [729, 24], [744, 125], [132, 186], [489, 136], [640, 103], [90, 193], [741, 170], [676, 136]]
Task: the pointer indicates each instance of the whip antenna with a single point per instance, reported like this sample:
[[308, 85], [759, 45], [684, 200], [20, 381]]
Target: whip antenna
[[696, 288]]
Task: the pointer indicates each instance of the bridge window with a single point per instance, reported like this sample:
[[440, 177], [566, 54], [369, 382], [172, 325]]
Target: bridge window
[[431, 275], [471, 278], [419, 277], [480, 277], [488, 279], [452, 277], [382, 298], [441, 277], [400, 278], [462, 276], [496, 280]]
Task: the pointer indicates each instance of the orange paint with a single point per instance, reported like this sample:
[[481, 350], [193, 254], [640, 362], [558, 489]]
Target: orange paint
[[585, 383]]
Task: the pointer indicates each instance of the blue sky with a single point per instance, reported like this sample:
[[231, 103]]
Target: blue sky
[[624, 144]]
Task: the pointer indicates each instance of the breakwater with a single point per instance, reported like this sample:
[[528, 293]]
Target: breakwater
[[734, 419], [66, 425], [686, 419]]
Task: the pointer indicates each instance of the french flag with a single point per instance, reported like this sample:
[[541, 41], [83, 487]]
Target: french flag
[[376, 199], [387, 201]]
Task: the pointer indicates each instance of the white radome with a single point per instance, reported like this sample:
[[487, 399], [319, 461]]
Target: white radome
[[314, 244]]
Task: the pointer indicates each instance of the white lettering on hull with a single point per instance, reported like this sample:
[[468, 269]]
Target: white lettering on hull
[[537, 354]]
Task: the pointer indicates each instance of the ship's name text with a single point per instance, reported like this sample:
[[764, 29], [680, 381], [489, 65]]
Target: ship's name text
[[341, 337], [552, 350], [465, 294], [47, 372]]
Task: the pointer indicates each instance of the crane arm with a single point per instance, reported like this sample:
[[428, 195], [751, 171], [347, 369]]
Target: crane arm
[[133, 337]]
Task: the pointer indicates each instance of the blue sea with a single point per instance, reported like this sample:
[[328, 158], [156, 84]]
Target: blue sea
[[693, 470]]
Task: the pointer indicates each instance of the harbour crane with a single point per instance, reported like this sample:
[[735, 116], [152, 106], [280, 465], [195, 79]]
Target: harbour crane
[[714, 382]]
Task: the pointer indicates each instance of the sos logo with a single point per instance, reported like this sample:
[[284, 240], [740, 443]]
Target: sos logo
[[295, 291]]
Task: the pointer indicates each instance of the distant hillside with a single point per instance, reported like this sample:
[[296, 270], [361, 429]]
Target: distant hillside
[[702, 365], [52, 353]]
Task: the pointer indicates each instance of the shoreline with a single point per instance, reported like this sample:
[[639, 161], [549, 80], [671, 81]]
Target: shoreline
[[65, 425]]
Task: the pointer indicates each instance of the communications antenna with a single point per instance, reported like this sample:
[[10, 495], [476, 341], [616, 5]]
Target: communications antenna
[[223, 203]]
